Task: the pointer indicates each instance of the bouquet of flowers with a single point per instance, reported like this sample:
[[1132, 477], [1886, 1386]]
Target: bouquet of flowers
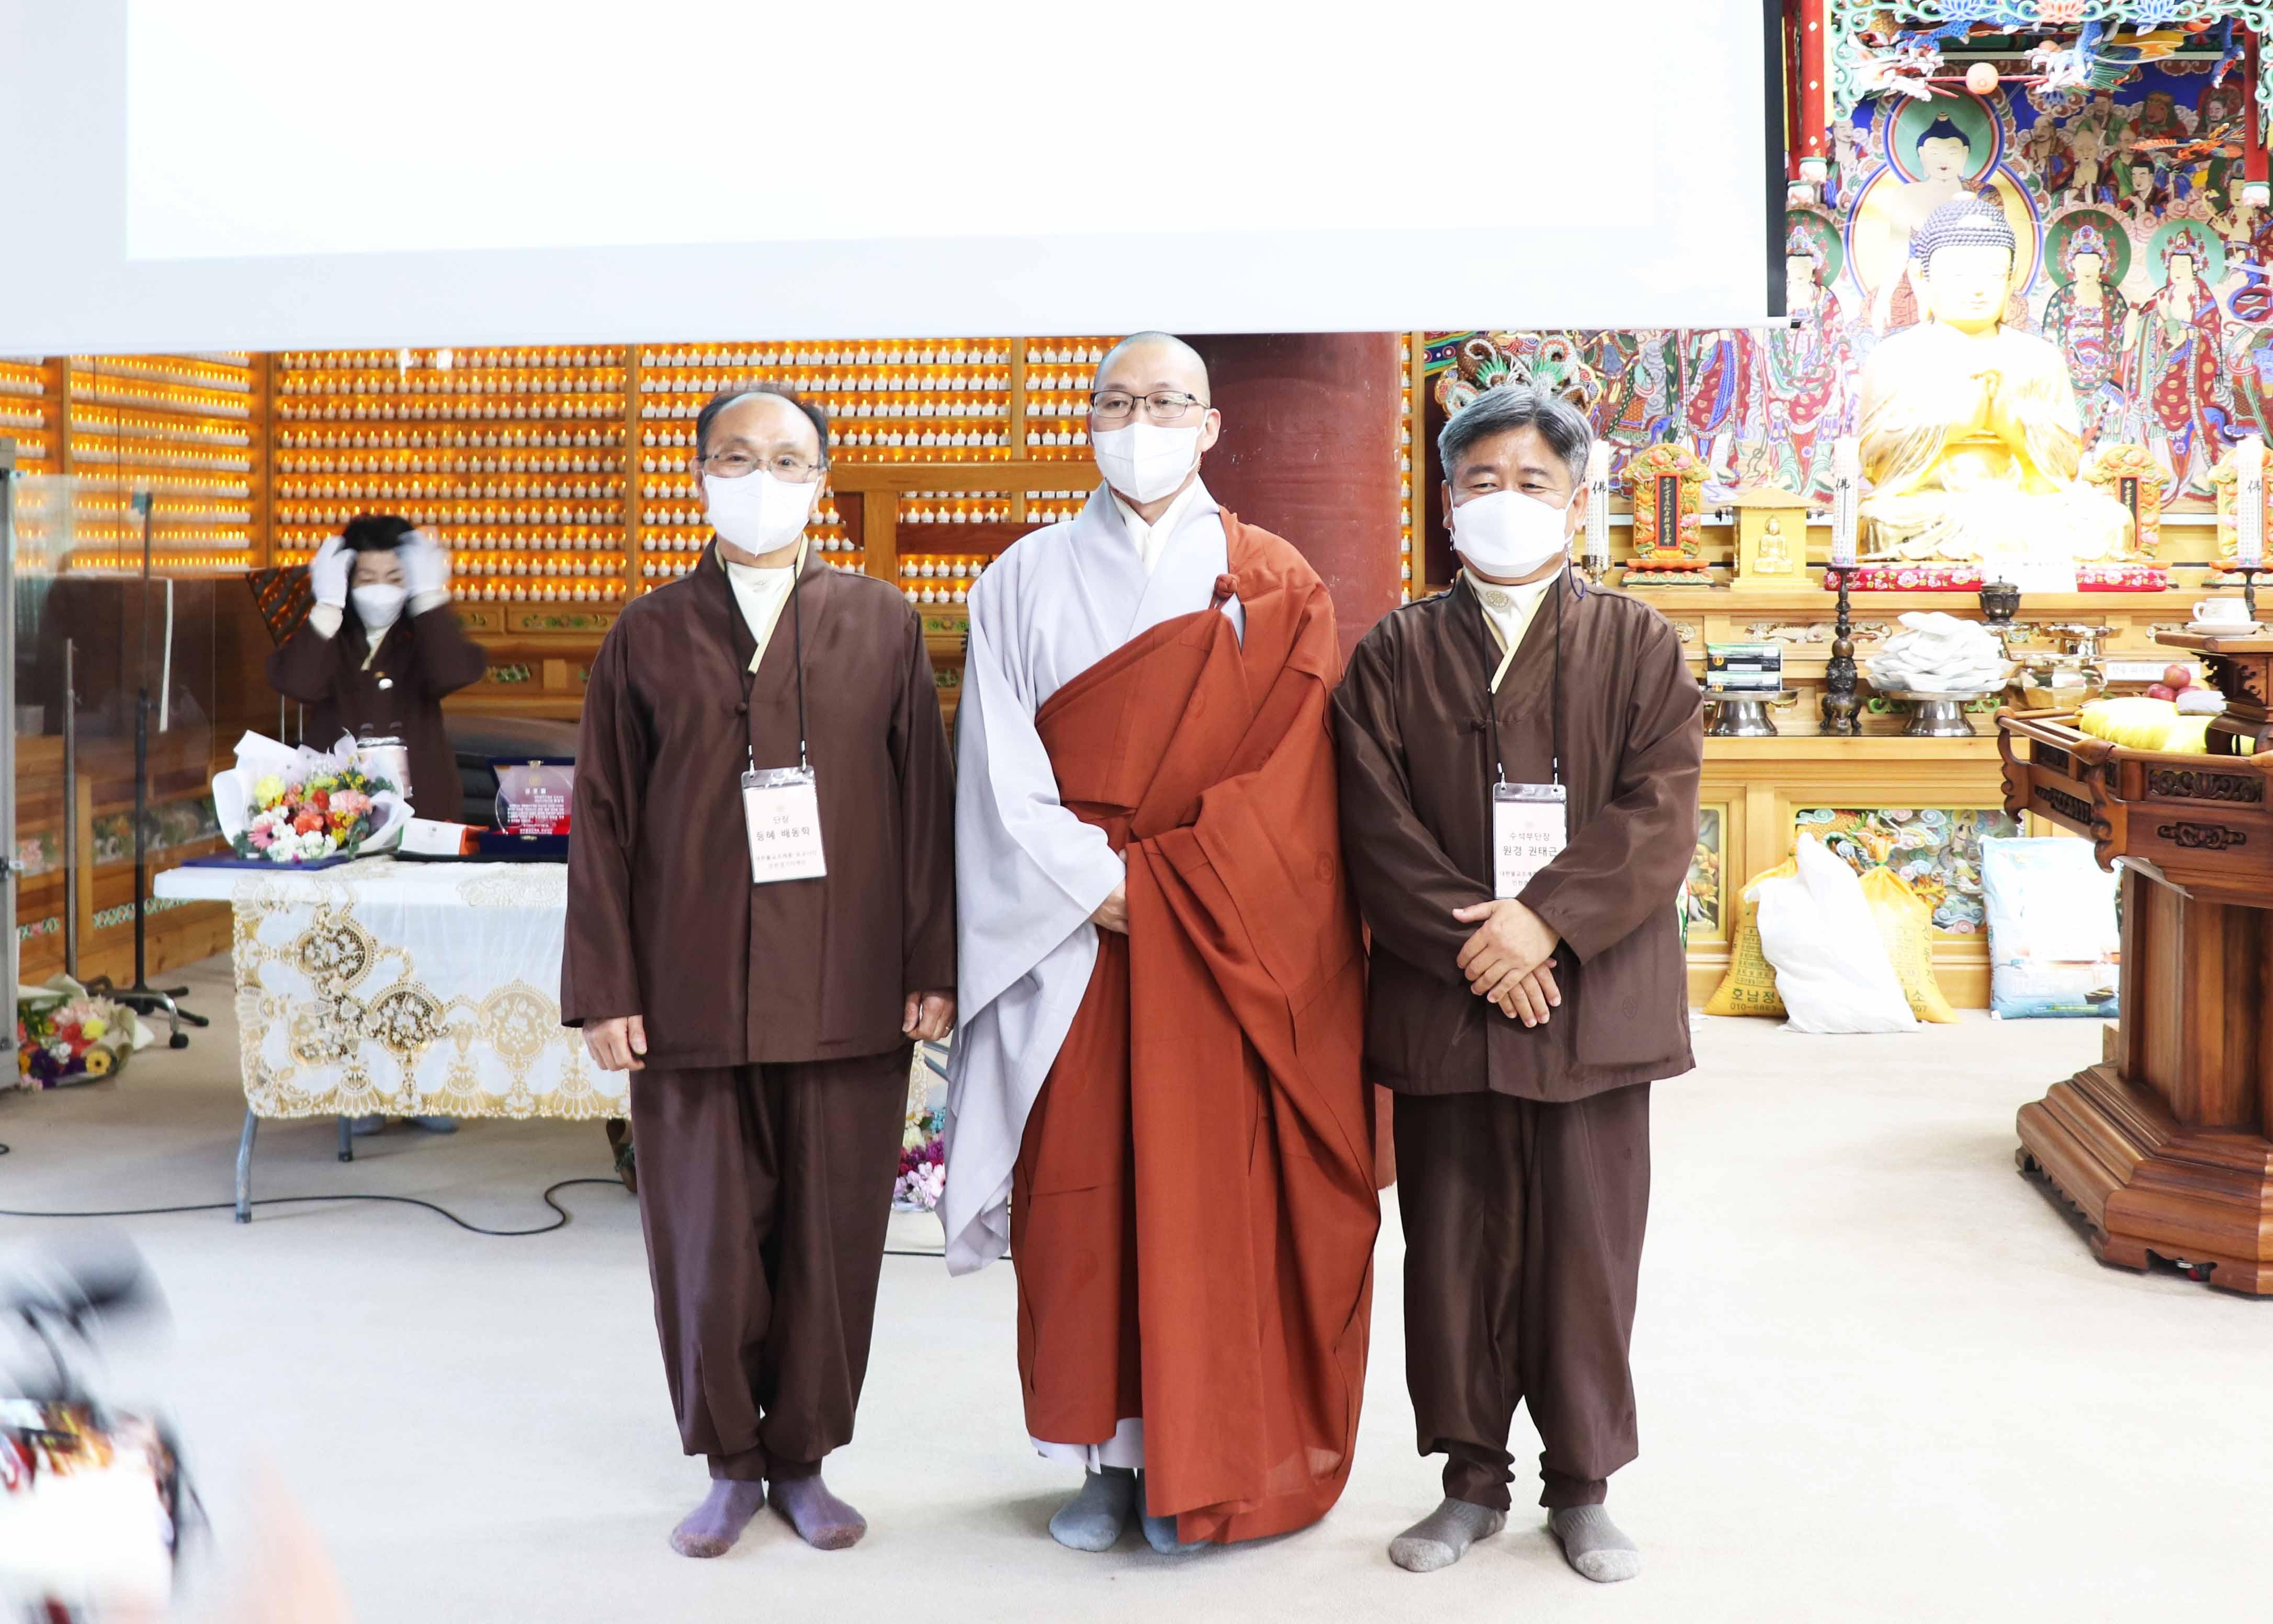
[[291, 805], [923, 1177], [922, 1180], [327, 813], [65, 1034]]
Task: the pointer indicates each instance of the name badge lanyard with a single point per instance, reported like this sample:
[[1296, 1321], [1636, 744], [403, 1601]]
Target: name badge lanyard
[[780, 805], [796, 652], [1555, 700], [1530, 822]]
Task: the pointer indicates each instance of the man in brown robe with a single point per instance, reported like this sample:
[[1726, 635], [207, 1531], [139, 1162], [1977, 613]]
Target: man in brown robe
[[770, 1022], [1521, 1012], [1155, 1098]]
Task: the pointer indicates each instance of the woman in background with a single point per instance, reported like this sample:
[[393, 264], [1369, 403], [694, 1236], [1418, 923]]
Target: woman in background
[[378, 651]]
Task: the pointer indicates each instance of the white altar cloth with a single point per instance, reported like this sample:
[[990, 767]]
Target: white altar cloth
[[404, 987]]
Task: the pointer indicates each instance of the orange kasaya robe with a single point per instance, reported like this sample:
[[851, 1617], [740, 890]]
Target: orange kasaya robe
[[1193, 1210]]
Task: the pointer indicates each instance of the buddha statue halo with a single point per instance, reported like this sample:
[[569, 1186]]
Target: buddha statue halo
[[1970, 438]]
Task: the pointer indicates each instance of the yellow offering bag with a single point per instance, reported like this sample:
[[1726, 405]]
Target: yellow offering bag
[[1750, 985], [1906, 926]]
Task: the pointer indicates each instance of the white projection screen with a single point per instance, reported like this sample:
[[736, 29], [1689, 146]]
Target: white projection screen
[[271, 174]]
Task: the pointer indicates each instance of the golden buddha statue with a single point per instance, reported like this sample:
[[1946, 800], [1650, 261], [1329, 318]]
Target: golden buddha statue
[[1970, 438]]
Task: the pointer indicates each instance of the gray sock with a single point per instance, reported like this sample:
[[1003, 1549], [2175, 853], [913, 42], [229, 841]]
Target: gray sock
[[1445, 1535], [820, 1519], [1160, 1532], [1593, 1545], [712, 1527], [1095, 1519]]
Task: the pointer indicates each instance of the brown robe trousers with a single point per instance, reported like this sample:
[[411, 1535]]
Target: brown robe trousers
[[765, 1191], [770, 1114], [1522, 1154]]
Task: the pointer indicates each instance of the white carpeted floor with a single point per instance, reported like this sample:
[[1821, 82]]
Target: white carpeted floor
[[1881, 1377]]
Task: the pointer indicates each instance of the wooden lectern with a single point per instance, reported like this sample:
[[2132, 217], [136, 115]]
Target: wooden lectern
[[2164, 1148]]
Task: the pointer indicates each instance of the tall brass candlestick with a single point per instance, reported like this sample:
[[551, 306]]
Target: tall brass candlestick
[[1840, 707]]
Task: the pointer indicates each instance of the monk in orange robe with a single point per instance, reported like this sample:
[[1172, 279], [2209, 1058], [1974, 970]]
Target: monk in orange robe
[[1156, 1099]]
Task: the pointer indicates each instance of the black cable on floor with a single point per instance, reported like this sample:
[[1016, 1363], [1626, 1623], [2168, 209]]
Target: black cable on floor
[[287, 1200]]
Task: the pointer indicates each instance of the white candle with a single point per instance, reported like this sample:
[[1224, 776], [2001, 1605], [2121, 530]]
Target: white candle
[[2249, 503], [1598, 506], [1846, 480]]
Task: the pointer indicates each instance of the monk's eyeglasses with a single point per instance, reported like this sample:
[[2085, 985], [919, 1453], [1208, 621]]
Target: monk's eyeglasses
[[741, 464], [1166, 406]]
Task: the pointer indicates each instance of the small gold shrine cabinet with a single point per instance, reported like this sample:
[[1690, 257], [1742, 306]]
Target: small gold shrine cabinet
[[1772, 541], [2164, 1146]]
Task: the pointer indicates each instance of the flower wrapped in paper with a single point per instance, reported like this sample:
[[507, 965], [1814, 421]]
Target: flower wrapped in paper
[[292, 805], [65, 1034]]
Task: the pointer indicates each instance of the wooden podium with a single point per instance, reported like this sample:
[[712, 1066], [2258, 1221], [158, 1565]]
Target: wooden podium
[[2164, 1146]]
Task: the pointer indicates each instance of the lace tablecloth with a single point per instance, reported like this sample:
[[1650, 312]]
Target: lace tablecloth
[[404, 987]]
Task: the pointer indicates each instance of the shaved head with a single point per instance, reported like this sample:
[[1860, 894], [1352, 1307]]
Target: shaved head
[[1146, 361]]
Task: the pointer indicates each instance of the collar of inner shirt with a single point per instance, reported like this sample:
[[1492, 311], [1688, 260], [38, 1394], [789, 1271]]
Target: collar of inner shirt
[[1140, 533]]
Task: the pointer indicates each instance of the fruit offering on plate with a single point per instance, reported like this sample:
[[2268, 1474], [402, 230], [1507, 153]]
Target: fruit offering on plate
[[2176, 680]]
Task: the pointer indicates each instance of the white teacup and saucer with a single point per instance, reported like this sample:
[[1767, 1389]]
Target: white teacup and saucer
[[2223, 617]]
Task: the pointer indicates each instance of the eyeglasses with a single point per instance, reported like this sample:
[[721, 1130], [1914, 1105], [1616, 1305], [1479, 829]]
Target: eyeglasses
[[1166, 406], [741, 464]]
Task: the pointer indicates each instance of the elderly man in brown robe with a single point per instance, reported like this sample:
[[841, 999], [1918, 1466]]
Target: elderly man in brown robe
[[761, 920], [1519, 759]]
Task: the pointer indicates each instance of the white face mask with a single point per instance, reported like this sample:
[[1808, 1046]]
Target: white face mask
[[377, 605], [1144, 461], [758, 513], [1507, 534]]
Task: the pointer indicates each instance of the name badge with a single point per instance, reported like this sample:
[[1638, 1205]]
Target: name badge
[[1530, 826], [781, 809]]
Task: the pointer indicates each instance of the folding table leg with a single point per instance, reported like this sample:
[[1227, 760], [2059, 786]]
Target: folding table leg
[[245, 1168], [347, 1138]]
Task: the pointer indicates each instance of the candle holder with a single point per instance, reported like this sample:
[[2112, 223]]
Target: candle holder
[[1841, 710], [2249, 573]]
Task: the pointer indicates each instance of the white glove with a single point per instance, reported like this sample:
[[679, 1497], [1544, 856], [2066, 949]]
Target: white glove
[[425, 566], [327, 573]]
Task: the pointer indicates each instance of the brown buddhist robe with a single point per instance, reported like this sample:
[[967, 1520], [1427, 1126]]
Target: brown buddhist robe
[[1193, 1209], [1522, 1154], [421, 658], [769, 1115]]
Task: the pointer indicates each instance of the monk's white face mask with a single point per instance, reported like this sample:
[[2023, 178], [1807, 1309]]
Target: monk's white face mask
[[758, 513], [1507, 534], [1144, 461]]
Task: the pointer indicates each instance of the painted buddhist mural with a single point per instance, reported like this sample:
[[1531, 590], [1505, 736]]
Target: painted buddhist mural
[[2133, 256]]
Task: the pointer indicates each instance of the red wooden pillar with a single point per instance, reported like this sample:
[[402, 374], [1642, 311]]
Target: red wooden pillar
[[1309, 452], [1810, 141]]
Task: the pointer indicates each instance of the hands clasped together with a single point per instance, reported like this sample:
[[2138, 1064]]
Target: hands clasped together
[[1507, 959]]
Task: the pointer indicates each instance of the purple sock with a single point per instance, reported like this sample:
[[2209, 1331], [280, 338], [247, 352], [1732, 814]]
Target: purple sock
[[820, 1519], [712, 1527]]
